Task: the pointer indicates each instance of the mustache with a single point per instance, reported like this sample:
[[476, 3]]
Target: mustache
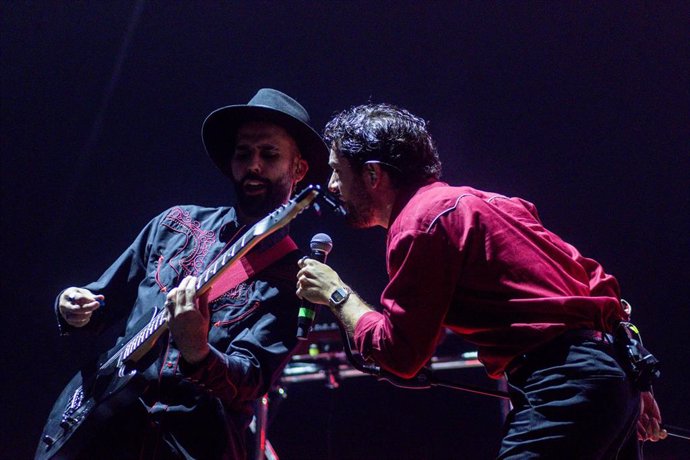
[[254, 177]]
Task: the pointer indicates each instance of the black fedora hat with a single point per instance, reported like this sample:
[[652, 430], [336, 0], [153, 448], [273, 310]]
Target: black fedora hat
[[219, 129]]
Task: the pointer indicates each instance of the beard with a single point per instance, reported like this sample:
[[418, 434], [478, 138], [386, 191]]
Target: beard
[[359, 207], [261, 204]]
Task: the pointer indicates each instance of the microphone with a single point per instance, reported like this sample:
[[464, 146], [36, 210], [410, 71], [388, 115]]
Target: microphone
[[320, 244]]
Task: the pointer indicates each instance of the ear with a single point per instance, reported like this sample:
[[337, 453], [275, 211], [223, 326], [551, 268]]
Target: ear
[[373, 174], [300, 169]]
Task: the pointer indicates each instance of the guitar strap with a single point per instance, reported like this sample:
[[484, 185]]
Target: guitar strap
[[249, 265]]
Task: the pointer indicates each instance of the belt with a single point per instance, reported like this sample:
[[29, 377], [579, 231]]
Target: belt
[[587, 334], [571, 336]]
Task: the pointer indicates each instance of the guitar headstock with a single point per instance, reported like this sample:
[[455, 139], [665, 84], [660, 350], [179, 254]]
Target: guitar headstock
[[332, 201]]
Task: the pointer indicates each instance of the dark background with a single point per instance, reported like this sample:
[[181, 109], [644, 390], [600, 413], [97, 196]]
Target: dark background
[[579, 107]]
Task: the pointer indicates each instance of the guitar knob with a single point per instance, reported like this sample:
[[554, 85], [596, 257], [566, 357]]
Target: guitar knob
[[48, 440], [67, 423]]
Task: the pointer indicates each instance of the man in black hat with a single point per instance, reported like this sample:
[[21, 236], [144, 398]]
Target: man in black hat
[[226, 349]]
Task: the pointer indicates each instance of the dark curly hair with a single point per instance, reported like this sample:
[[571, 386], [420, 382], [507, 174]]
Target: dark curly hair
[[392, 136]]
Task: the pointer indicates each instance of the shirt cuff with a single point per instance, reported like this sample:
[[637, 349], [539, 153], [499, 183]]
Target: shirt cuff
[[196, 370], [63, 327], [363, 332], [211, 374]]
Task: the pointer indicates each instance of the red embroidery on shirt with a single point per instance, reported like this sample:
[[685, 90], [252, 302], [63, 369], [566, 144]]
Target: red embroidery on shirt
[[256, 304], [196, 245], [160, 284]]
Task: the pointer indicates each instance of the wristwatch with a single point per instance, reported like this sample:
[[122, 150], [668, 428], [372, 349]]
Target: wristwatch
[[339, 297]]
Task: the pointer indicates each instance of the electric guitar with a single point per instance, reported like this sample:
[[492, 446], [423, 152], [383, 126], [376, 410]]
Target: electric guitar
[[88, 400]]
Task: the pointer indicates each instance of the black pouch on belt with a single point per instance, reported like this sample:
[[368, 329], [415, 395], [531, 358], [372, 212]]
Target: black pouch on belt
[[642, 366]]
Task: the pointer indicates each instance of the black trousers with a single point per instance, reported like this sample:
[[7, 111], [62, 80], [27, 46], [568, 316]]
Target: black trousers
[[572, 400]]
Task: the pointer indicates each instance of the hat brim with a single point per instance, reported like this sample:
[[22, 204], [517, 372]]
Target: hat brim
[[220, 127]]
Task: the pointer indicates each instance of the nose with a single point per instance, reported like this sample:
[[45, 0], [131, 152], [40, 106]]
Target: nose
[[333, 184], [254, 163]]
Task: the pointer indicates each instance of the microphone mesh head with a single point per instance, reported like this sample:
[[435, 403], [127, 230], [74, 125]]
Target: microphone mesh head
[[321, 242]]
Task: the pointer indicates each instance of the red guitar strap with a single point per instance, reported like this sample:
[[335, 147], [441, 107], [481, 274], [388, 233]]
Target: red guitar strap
[[248, 266]]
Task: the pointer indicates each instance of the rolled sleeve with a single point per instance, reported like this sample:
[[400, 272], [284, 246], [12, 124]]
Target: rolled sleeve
[[403, 337]]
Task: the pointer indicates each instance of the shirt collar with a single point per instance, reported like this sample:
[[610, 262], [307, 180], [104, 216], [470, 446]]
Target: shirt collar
[[404, 197]]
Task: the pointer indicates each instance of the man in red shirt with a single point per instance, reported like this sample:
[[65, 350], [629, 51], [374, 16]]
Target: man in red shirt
[[482, 265]]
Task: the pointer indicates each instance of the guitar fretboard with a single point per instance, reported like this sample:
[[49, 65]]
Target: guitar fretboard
[[158, 321], [229, 255]]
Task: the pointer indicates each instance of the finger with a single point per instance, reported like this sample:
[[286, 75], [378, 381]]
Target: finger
[[78, 322], [81, 297], [654, 430], [170, 300], [182, 298], [89, 307], [76, 318], [307, 262], [188, 283], [656, 413], [180, 295], [304, 271], [74, 311], [190, 289], [641, 433], [663, 434], [185, 282], [79, 313], [202, 305]]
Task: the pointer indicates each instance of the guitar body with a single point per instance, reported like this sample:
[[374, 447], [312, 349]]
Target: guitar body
[[87, 404]]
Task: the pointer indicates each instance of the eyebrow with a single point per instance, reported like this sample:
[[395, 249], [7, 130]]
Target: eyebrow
[[263, 145]]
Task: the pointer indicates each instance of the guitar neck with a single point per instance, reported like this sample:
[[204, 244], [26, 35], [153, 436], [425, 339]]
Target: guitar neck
[[141, 343], [238, 249]]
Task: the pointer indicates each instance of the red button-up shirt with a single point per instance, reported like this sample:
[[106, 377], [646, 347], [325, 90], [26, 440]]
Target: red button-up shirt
[[482, 265]]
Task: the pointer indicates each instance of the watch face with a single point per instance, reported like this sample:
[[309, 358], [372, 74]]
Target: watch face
[[339, 296]]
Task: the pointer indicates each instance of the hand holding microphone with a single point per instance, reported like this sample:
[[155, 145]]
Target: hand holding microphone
[[320, 244]]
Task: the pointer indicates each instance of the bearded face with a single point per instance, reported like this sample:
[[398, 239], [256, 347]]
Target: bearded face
[[349, 186], [258, 195], [358, 205], [266, 165]]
